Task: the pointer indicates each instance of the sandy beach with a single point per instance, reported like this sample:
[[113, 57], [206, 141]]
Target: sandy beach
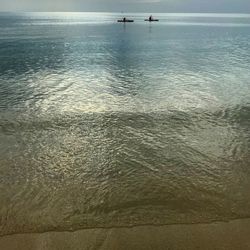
[[233, 235]]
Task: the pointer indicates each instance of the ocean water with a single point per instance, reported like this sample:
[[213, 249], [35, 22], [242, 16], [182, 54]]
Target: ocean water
[[110, 125]]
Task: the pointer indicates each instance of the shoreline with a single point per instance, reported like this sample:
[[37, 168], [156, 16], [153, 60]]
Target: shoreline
[[232, 235]]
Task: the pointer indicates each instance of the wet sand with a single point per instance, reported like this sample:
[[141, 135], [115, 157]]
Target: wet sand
[[233, 235]]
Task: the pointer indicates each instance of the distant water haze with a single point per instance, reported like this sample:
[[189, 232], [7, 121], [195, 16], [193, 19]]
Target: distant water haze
[[110, 125], [179, 6]]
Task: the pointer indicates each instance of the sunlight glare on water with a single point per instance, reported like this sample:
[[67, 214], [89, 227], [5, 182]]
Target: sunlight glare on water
[[107, 125]]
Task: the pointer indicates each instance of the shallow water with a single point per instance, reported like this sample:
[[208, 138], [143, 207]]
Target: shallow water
[[109, 125]]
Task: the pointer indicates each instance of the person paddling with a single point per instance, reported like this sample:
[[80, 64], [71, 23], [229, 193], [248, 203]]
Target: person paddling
[[150, 18]]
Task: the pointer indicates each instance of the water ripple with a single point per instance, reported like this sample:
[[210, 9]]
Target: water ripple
[[105, 125]]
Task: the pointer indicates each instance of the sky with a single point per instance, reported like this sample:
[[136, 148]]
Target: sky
[[207, 6]]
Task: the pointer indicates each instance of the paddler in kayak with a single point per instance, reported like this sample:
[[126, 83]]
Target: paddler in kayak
[[150, 18]]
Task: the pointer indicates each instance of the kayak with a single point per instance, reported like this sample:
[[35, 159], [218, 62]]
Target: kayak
[[125, 21], [152, 20]]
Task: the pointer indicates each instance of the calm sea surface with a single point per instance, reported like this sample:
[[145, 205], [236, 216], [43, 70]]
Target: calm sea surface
[[107, 125]]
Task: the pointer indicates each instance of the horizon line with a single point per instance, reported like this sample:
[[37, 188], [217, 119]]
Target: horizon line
[[208, 13]]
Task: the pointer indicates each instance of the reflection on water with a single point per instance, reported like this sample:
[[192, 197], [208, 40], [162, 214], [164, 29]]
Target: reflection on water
[[107, 125]]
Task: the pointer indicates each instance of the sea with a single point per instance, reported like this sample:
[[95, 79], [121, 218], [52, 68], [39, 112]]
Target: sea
[[106, 124]]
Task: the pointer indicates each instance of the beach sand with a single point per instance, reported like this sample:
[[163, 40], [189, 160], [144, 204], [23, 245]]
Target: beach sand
[[232, 235]]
